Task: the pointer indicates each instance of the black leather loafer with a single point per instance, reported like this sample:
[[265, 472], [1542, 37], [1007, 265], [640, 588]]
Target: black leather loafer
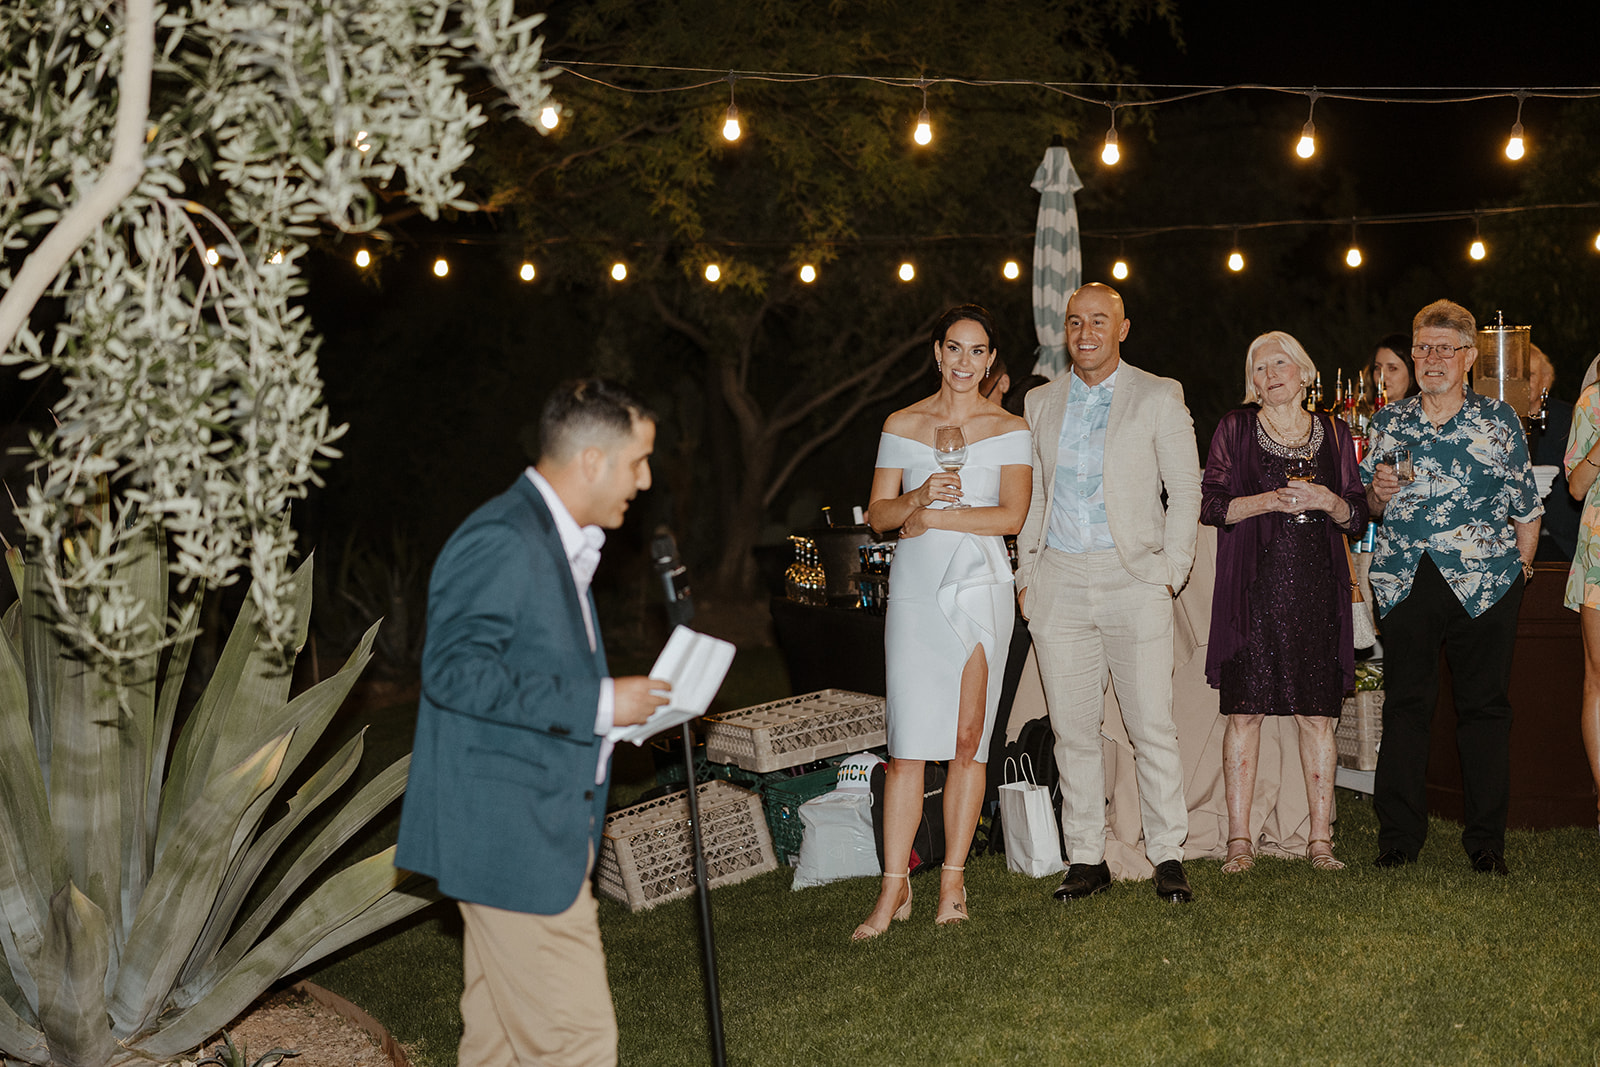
[[1488, 861], [1172, 884], [1083, 880], [1392, 857]]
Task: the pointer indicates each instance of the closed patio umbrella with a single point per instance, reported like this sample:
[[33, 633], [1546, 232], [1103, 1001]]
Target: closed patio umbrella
[[1057, 257]]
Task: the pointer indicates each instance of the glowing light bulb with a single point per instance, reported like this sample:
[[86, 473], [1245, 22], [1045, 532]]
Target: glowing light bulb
[[212, 257], [441, 267], [527, 272], [907, 272], [730, 124], [924, 134], [1110, 154], [1012, 270], [549, 118], [1477, 251], [1353, 257], [1597, 242], [362, 144], [1119, 270], [619, 272], [1307, 147], [1235, 261], [808, 273], [1515, 148], [363, 258], [713, 272], [276, 257]]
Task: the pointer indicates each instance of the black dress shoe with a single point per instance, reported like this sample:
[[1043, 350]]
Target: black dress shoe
[[1488, 861], [1172, 884], [1392, 857], [1083, 880]]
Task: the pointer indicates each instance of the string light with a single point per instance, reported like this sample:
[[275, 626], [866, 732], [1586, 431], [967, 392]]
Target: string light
[[441, 267], [619, 272], [1352, 258], [1597, 242], [730, 121], [527, 272], [276, 257], [924, 134], [1119, 269], [808, 273], [1308, 133], [1477, 250], [363, 258], [212, 257], [713, 272], [907, 272], [1236, 257], [1110, 153], [1012, 270], [1515, 149], [549, 118]]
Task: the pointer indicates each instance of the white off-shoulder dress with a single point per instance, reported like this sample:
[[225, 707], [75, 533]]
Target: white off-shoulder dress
[[949, 593]]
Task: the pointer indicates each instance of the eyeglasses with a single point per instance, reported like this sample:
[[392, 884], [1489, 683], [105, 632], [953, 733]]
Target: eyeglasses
[[1437, 351]]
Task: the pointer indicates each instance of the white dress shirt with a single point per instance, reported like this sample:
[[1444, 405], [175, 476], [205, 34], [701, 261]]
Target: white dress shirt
[[582, 546]]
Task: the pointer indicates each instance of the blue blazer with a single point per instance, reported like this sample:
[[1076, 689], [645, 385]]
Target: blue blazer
[[501, 806]]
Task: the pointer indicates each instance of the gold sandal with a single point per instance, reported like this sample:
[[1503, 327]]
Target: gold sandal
[[954, 911], [1323, 861], [866, 931], [1243, 861]]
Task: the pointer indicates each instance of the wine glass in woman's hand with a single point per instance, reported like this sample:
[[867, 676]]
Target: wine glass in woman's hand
[[1302, 469], [950, 445]]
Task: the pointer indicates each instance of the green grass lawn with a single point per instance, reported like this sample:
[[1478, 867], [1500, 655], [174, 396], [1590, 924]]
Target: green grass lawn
[[1430, 964]]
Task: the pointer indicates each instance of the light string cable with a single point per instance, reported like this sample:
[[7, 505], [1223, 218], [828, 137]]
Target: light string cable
[[1084, 92]]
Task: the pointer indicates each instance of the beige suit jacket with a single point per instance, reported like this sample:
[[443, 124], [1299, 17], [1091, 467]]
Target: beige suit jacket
[[1149, 446]]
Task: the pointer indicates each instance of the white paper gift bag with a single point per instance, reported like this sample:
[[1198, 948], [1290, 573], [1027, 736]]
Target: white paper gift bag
[[1033, 840]]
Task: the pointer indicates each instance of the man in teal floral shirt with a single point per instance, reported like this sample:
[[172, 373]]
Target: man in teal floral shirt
[[1454, 551]]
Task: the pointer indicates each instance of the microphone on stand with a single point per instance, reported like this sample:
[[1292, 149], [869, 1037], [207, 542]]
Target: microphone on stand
[[674, 576], [680, 609]]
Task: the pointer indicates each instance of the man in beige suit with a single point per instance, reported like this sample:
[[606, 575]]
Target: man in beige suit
[[1100, 563]]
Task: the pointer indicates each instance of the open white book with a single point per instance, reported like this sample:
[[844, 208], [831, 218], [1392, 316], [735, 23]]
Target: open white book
[[695, 665]]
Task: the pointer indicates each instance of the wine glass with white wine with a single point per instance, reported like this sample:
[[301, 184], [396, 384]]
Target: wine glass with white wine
[[1302, 469], [950, 445]]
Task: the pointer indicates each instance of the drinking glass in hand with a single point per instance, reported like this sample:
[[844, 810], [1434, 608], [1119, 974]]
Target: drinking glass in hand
[[950, 444], [1301, 469], [1400, 460]]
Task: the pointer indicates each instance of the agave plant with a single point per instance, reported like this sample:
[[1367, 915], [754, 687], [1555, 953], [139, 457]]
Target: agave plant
[[137, 917]]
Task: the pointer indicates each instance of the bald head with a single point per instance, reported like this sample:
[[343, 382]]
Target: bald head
[[1096, 328]]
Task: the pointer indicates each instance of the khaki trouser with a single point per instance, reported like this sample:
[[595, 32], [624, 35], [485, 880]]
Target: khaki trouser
[[536, 990], [1089, 617]]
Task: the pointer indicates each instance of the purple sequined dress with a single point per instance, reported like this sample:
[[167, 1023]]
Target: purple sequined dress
[[1287, 665]]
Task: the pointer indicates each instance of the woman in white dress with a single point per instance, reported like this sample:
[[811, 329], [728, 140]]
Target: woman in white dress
[[950, 602]]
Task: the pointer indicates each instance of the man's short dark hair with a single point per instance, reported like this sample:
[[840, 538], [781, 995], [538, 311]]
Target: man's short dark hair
[[588, 411]]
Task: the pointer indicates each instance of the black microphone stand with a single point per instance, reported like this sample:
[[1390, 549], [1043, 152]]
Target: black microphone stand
[[680, 609]]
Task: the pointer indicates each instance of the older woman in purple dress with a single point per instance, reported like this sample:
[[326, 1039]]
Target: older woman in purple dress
[[1283, 487]]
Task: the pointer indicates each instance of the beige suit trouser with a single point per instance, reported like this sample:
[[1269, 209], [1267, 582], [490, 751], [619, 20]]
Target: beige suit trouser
[[536, 990], [1089, 617]]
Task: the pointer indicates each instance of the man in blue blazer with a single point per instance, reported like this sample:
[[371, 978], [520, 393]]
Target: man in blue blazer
[[510, 766]]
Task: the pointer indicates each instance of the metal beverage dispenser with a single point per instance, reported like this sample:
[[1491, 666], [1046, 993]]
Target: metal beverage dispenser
[[1502, 367]]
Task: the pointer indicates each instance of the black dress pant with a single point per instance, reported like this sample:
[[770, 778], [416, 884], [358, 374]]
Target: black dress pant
[[1479, 653]]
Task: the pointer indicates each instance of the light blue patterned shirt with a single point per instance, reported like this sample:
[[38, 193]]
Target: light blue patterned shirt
[[1473, 480], [1078, 507]]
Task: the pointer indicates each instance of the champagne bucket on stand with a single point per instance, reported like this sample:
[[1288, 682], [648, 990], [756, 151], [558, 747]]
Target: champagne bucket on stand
[[1502, 367]]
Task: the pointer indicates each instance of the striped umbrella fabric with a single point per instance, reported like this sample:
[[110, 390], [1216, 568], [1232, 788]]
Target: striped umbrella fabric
[[1057, 257]]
